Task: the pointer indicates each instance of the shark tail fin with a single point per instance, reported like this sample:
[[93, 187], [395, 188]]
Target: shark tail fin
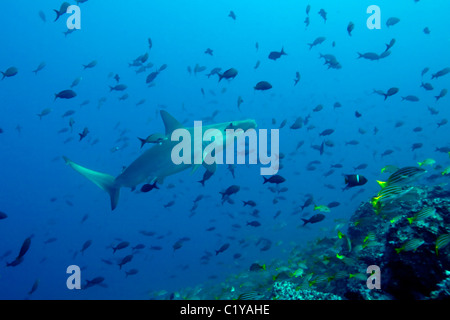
[[102, 180]]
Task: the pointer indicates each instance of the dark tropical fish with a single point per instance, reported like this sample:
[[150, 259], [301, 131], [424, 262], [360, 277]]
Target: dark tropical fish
[[369, 56], [442, 94], [440, 73], [389, 45], [68, 113], [392, 21], [354, 180], [24, 249], [131, 272], [314, 219], [209, 51], [85, 217], [250, 203], [317, 41], [443, 149], [65, 94], [10, 72], [424, 71], [157, 138], [125, 260], [208, 174], [253, 223], [417, 145], [352, 142], [40, 67], [308, 9], [387, 152], [51, 240], [427, 86], [140, 102], [156, 248], [69, 31], [15, 262], [229, 74], [230, 190], [411, 98], [274, 55], [390, 92], [213, 72], [385, 54], [326, 132], [119, 87], [177, 245], [149, 187], [62, 10], [318, 108], [308, 202], [84, 133], [90, 64], [239, 102], [257, 267], [34, 287], [282, 124], [350, 28], [169, 204], [362, 166], [232, 15], [122, 245], [76, 82], [333, 204], [442, 122], [150, 43], [231, 169], [223, 248], [277, 179], [3, 215], [163, 67], [199, 68], [323, 14], [298, 124], [297, 78], [44, 113], [93, 282], [42, 16], [86, 245], [306, 22]]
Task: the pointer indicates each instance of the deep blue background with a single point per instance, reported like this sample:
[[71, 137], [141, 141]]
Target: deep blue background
[[33, 173]]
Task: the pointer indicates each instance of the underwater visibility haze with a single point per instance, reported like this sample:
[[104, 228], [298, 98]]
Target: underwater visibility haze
[[348, 98]]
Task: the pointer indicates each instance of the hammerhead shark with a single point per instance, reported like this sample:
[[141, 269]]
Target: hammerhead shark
[[155, 163]]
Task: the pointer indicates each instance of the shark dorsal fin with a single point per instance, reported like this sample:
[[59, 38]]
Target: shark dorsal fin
[[170, 122]]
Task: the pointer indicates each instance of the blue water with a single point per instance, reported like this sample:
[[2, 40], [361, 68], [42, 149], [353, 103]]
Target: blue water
[[46, 199]]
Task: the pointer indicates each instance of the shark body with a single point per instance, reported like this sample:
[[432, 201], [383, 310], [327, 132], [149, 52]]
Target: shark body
[[155, 163]]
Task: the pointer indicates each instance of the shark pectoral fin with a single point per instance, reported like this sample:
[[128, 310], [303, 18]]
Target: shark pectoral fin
[[104, 181]]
